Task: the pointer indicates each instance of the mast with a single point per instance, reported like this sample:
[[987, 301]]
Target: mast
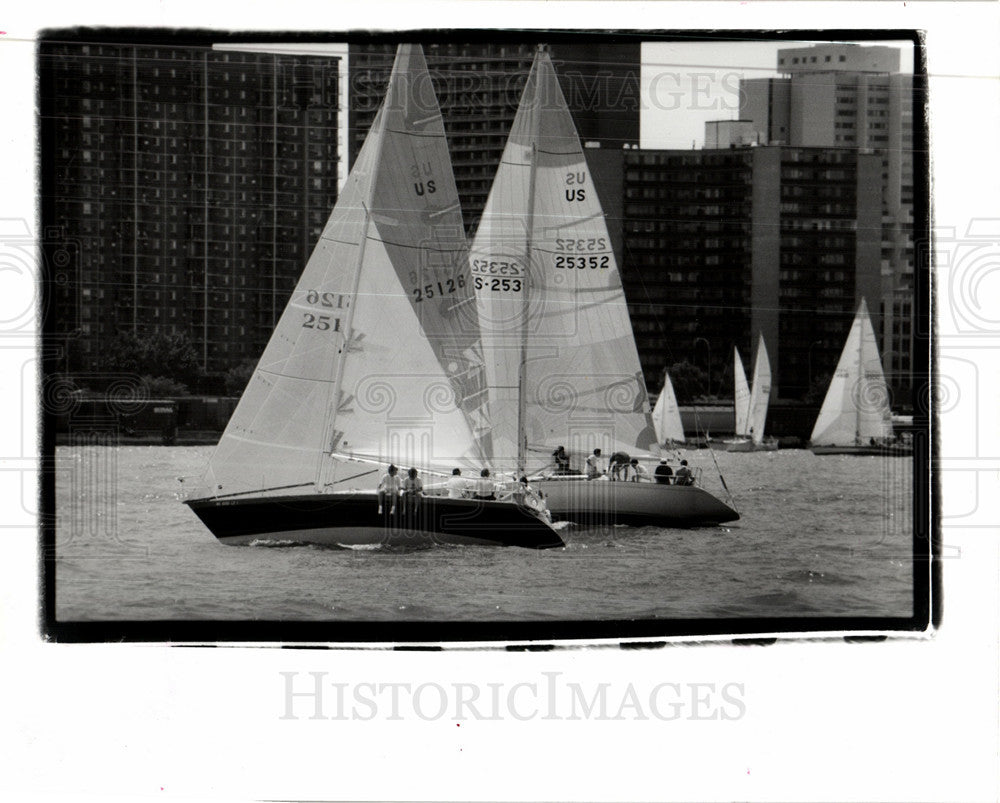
[[325, 464], [522, 375], [326, 455], [861, 372]]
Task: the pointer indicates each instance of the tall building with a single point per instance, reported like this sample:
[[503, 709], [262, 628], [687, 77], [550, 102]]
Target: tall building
[[478, 86], [191, 185], [853, 96], [723, 245]]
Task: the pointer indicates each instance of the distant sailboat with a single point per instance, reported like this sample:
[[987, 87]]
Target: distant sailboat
[[667, 416], [855, 417], [751, 414], [561, 361], [375, 360]]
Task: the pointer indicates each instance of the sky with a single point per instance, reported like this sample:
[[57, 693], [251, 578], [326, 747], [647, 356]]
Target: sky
[[685, 85]]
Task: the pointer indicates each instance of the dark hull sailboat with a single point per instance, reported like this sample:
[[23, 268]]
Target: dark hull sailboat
[[348, 519], [375, 360]]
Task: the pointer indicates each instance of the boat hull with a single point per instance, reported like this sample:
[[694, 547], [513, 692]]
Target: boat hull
[[602, 503], [894, 450], [748, 445], [352, 519]]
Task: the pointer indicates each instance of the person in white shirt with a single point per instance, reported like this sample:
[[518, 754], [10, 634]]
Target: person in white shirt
[[458, 486], [639, 473], [594, 465], [484, 486], [388, 489]]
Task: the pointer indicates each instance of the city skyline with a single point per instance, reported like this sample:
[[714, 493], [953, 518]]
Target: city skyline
[[683, 85]]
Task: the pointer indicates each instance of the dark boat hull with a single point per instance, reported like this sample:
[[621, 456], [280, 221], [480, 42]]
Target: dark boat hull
[[352, 519], [894, 450], [600, 502]]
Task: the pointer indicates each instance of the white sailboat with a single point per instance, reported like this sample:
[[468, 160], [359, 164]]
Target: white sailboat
[[667, 416], [561, 362], [855, 417], [375, 360], [751, 408]]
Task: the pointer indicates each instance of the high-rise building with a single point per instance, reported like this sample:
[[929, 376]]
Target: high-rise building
[[191, 185], [853, 96], [723, 245], [478, 86]]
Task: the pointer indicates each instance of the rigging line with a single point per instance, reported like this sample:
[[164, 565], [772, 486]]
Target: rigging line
[[697, 426], [258, 490], [414, 134], [352, 477]]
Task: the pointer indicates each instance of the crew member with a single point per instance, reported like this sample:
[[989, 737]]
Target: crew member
[[562, 460], [618, 466], [484, 486], [638, 472], [684, 476], [413, 489], [388, 488], [663, 473], [457, 485], [594, 468]]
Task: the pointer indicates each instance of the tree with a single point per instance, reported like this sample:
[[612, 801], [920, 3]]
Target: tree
[[154, 355], [689, 380]]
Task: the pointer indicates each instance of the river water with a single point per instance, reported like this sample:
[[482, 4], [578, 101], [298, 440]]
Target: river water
[[819, 536]]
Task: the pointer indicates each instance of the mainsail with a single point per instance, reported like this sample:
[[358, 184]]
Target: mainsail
[[741, 402], [561, 361], [760, 394], [856, 407], [667, 415], [377, 356]]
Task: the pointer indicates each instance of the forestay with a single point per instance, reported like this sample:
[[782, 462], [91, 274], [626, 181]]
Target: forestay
[[361, 364], [556, 334], [856, 407]]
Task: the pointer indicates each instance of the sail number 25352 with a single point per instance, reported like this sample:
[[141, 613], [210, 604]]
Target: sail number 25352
[[317, 320]]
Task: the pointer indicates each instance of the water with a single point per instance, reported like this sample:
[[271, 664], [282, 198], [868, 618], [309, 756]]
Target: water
[[819, 536]]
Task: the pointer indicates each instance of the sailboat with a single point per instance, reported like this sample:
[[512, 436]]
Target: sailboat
[[667, 416], [375, 360], [855, 417], [750, 407], [561, 362]]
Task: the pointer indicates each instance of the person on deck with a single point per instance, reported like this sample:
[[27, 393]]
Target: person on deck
[[413, 489], [457, 485], [663, 473], [484, 486], [619, 465], [639, 474], [594, 467], [389, 488], [561, 460], [684, 476]]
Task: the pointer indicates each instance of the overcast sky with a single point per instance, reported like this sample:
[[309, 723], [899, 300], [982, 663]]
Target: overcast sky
[[684, 85]]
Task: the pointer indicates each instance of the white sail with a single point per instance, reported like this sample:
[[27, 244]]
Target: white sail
[[360, 364], [760, 393], [856, 407], [741, 400], [561, 361], [667, 415]]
